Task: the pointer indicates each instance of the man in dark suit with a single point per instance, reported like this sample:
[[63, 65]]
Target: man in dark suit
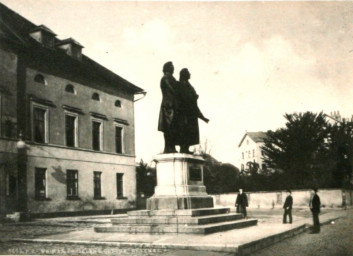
[[242, 202], [315, 205], [189, 113], [167, 122], [288, 204]]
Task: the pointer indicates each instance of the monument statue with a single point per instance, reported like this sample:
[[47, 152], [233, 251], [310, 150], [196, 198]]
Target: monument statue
[[179, 112], [188, 113], [167, 122]]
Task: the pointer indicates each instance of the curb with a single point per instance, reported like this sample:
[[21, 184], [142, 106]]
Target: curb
[[246, 249], [196, 247]]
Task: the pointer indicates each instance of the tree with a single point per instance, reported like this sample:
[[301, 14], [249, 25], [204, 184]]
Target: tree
[[298, 151], [253, 168], [340, 144], [219, 177], [145, 179]]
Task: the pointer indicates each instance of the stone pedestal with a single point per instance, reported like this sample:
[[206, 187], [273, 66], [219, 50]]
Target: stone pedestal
[[179, 183]]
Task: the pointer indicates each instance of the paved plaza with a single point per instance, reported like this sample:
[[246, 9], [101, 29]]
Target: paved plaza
[[76, 236]]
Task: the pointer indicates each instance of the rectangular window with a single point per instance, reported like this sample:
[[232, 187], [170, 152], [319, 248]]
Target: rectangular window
[[118, 139], [119, 185], [72, 183], [39, 125], [9, 128], [11, 185], [97, 184], [96, 135], [71, 130], [253, 153], [40, 183]]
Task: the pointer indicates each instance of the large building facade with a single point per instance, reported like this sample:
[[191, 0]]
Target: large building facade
[[250, 150], [76, 119]]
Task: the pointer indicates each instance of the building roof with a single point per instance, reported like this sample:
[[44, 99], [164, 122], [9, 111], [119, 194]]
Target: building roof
[[255, 136], [42, 28], [16, 29], [70, 40]]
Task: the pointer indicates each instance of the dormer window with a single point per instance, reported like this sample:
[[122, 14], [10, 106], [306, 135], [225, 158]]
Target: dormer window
[[118, 103], [40, 79], [43, 35], [95, 96], [70, 88], [71, 48]]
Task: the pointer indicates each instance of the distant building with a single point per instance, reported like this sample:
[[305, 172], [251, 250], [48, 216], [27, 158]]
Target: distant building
[[77, 119], [249, 149]]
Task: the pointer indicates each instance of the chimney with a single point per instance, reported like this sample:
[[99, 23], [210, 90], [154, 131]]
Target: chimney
[[71, 47], [43, 35]]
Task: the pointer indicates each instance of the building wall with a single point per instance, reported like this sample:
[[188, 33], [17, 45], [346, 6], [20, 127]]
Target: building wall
[[20, 62], [254, 148], [301, 198], [55, 156], [58, 160], [8, 167], [258, 153], [8, 101], [55, 92], [8, 89]]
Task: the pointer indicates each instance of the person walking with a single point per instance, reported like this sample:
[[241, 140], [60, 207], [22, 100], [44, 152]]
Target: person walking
[[315, 205], [241, 203], [288, 204]]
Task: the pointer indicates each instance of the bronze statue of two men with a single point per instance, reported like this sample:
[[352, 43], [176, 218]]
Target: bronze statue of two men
[[179, 113]]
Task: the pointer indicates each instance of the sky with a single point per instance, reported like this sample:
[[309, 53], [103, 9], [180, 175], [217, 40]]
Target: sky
[[250, 62]]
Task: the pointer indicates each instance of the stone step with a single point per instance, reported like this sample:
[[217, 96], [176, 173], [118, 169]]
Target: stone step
[[183, 228], [186, 212], [223, 226], [199, 220]]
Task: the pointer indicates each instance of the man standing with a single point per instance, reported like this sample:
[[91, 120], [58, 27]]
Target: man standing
[[315, 205], [242, 202], [288, 204], [167, 122]]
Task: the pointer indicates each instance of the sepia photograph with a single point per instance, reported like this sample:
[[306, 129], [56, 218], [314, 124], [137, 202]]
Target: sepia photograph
[[176, 128]]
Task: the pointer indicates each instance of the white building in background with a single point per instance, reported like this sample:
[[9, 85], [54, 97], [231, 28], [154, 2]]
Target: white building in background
[[250, 149]]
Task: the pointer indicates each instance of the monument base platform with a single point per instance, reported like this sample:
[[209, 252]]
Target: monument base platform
[[190, 221], [182, 202]]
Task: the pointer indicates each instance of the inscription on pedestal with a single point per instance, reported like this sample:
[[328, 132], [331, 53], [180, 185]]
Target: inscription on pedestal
[[195, 173]]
